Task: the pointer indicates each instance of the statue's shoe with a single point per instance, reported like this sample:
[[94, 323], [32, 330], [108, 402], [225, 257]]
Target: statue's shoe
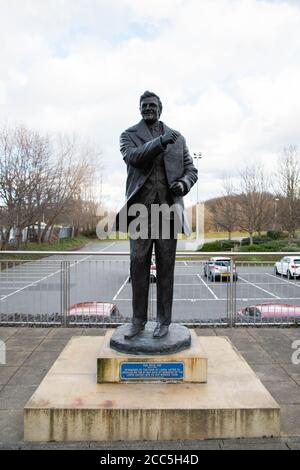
[[133, 331], [160, 331]]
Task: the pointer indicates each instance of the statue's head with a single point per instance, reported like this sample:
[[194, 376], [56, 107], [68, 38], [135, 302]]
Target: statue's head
[[150, 107]]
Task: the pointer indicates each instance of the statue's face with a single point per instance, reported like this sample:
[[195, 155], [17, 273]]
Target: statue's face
[[150, 110]]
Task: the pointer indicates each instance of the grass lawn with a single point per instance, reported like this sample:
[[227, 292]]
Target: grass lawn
[[65, 244]]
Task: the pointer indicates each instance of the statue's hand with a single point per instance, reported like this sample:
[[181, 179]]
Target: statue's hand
[[178, 188], [169, 137]]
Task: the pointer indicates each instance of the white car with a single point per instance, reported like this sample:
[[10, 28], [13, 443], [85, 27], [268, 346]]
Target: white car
[[288, 266]]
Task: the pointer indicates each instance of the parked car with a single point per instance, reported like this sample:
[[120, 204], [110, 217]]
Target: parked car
[[152, 272], [218, 268], [106, 310], [288, 266], [267, 311]]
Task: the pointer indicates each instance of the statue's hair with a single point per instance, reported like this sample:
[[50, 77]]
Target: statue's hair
[[149, 94]]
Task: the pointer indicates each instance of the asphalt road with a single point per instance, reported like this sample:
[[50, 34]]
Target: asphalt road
[[35, 287]]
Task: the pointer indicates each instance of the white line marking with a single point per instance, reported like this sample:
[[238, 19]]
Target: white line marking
[[7, 288], [10, 282], [190, 274], [210, 290], [195, 284], [284, 280], [105, 248], [257, 287], [52, 274], [122, 286]]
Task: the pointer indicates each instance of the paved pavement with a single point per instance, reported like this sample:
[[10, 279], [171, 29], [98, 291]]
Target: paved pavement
[[34, 287], [31, 352]]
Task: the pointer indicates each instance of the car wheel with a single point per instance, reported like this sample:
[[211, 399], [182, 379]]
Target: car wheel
[[210, 277], [152, 278], [276, 271], [113, 313], [204, 274], [289, 275]]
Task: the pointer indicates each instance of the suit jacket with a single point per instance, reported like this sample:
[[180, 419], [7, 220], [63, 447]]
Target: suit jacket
[[139, 150]]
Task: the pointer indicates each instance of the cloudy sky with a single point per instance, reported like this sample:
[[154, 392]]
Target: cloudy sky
[[228, 73]]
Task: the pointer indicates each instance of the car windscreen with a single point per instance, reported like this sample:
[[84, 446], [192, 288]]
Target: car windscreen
[[296, 261], [222, 262]]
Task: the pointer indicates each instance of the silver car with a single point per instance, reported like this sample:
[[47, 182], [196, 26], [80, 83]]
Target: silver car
[[218, 268]]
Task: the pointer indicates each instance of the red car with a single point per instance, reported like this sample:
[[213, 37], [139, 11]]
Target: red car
[[268, 310], [96, 309]]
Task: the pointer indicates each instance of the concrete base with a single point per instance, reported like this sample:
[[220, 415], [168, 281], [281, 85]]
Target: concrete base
[[69, 405], [194, 360]]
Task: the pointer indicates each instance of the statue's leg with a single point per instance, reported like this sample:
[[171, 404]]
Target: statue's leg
[[140, 261], [165, 254]]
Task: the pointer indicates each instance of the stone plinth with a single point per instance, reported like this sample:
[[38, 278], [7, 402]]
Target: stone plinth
[[69, 404], [193, 362]]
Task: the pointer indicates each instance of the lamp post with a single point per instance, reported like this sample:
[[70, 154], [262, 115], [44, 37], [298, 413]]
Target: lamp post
[[197, 156], [275, 212]]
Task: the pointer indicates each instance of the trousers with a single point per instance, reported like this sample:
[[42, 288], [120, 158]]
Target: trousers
[[140, 262]]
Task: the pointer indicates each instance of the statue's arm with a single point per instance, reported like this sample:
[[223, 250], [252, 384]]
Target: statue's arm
[[139, 155], [190, 174]]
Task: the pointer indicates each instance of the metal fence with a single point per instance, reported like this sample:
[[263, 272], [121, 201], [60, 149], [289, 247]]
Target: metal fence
[[93, 289]]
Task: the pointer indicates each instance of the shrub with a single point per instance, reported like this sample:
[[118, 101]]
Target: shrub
[[291, 247], [218, 245], [261, 240], [275, 234]]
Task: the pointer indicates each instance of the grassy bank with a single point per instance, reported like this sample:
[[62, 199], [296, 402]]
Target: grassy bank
[[65, 244]]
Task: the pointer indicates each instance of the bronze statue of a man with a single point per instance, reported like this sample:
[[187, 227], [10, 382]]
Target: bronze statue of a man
[[160, 171]]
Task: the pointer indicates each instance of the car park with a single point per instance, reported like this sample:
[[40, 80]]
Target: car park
[[218, 268], [288, 266]]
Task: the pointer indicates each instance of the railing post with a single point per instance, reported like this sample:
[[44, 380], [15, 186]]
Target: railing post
[[65, 290], [232, 294]]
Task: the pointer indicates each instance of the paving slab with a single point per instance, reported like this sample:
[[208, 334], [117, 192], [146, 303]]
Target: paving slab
[[14, 398], [286, 393], [11, 429], [65, 332], [270, 372], [6, 372], [16, 357], [41, 357], [6, 333], [28, 376], [253, 357], [290, 420], [18, 343], [33, 332], [52, 344]]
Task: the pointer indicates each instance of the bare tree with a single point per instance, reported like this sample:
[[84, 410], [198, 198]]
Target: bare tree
[[41, 178], [21, 160], [224, 210], [69, 171], [253, 201], [288, 182]]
